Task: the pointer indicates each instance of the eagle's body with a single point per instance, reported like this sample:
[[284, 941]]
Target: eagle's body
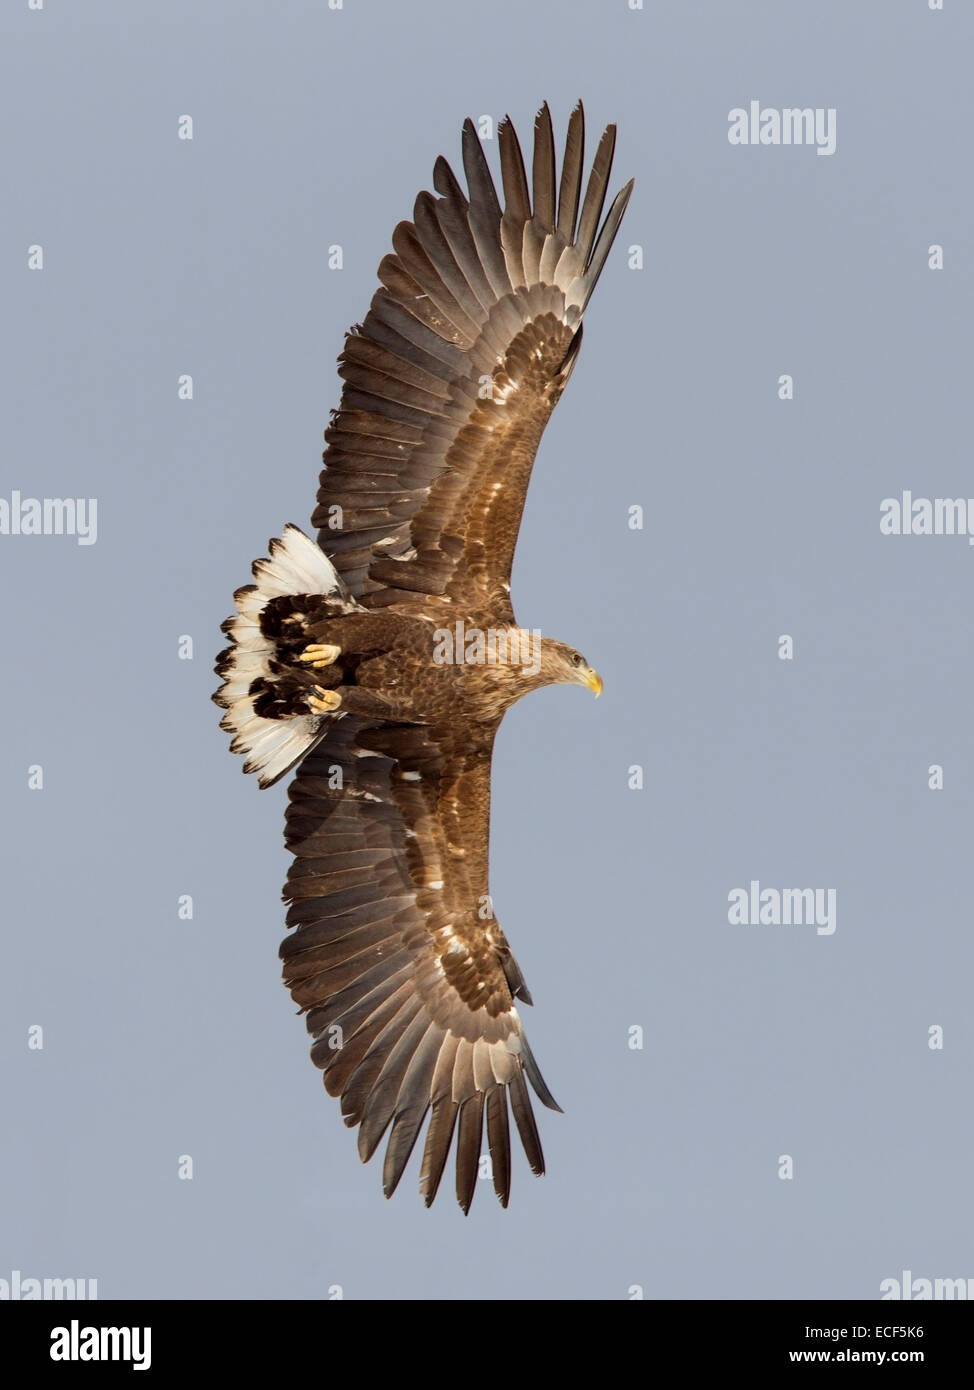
[[383, 657]]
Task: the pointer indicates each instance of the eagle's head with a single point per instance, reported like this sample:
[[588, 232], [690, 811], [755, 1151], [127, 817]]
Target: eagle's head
[[561, 665], [516, 661]]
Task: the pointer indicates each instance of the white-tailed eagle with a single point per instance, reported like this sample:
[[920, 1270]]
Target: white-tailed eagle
[[381, 656]]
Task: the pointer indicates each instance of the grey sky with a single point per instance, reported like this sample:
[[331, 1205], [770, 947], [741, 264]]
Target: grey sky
[[165, 1037]]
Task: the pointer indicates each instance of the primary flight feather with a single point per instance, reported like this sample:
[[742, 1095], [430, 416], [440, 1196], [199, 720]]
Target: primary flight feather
[[382, 656]]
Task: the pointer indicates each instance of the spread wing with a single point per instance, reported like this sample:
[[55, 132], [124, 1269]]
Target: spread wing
[[461, 359], [406, 980]]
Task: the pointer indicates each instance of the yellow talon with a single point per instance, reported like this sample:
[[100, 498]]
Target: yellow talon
[[323, 701], [320, 654]]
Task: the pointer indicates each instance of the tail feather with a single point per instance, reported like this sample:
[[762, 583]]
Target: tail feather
[[295, 566]]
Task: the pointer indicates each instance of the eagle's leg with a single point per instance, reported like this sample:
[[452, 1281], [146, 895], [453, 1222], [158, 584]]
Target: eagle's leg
[[356, 699], [321, 654]]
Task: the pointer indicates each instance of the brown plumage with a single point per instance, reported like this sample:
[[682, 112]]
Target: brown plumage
[[347, 657]]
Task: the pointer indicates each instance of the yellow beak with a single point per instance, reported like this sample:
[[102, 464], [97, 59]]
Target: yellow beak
[[594, 681]]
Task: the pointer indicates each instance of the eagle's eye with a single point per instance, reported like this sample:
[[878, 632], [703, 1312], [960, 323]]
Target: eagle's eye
[[577, 660]]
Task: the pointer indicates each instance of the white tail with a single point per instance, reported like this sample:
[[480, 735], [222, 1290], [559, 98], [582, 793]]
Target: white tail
[[296, 565]]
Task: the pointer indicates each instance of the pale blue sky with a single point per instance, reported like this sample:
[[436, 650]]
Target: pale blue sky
[[166, 1037]]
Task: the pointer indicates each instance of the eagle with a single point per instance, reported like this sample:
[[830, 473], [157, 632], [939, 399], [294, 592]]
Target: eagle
[[379, 657]]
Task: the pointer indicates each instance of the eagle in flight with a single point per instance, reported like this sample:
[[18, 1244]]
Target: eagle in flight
[[381, 656]]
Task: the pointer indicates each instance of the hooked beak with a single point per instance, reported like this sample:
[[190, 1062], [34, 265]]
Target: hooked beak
[[593, 680]]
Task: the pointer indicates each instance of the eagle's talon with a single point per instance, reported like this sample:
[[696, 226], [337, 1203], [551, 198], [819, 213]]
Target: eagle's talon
[[323, 701], [321, 654]]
